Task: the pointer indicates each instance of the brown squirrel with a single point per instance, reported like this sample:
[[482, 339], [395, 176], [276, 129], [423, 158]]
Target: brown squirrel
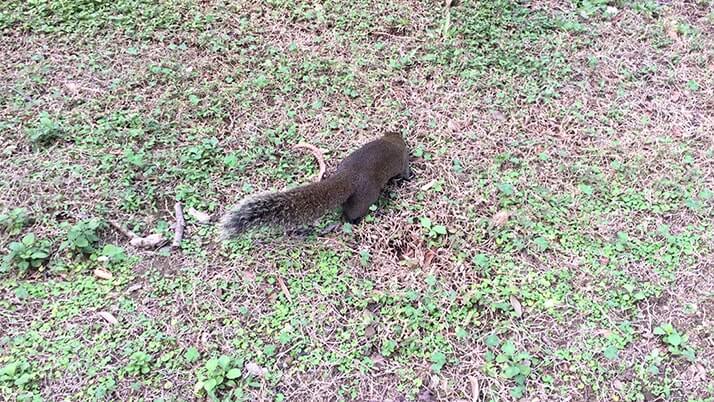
[[356, 185]]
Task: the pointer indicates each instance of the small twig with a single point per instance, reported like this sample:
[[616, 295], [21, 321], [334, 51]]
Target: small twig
[[74, 88], [475, 389], [180, 225], [128, 233], [285, 290], [147, 242], [317, 154]]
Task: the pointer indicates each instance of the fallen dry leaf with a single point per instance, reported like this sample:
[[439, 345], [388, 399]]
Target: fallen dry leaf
[[102, 274], [501, 218], [516, 306], [256, 370], [73, 87], [497, 115], [409, 262], [458, 125], [370, 332], [108, 317], [428, 185], [603, 332], [428, 258], [671, 29], [284, 289], [201, 217], [377, 359]]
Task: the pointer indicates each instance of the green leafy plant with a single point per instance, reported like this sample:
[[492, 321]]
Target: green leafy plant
[[191, 355], [512, 364], [388, 347], [589, 8], [28, 253], [112, 253], [17, 375], [104, 387], [82, 237], [647, 7], [438, 360], [139, 363], [433, 232], [45, 131], [204, 153], [218, 375], [676, 342], [14, 220]]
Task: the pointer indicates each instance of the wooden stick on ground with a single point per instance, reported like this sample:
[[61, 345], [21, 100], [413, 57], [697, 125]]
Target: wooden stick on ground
[[148, 242], [126, 232], [285, 290], [317, 154], [180, 225]]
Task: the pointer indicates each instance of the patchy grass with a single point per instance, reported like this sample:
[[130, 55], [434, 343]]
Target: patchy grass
[[556, 241]]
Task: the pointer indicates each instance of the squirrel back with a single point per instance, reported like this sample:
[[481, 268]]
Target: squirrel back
[[356, 185]]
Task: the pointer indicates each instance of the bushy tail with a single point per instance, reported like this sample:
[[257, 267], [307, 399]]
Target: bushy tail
[[287, 208]]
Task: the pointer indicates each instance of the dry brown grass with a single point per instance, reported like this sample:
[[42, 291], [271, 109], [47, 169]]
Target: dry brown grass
[[625, 98]]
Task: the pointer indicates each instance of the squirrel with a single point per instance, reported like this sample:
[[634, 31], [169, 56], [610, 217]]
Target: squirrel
[[355, 185]]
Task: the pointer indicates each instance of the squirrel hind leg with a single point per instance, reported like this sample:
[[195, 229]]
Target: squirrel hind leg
[[357, 206]]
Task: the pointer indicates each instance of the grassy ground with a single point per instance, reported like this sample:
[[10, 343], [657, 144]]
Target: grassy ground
[[556, 243]]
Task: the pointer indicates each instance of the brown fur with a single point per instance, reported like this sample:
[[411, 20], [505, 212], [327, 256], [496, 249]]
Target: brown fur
[[356, 185]]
